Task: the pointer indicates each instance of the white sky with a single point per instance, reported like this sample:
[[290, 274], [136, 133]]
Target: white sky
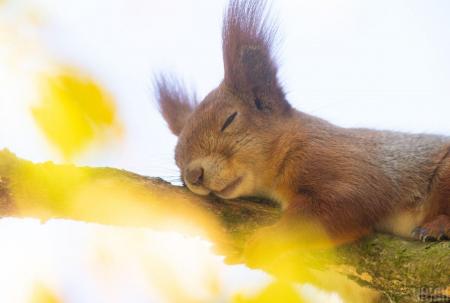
[[382, 64]]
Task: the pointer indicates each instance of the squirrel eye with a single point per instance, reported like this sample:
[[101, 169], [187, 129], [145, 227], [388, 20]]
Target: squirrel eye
[[229, 121]]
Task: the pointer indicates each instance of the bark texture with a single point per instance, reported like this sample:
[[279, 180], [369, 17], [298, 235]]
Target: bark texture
[[399, 270]]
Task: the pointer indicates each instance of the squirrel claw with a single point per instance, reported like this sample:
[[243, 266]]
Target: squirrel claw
[[428, 238], [416, 232], [420, 233], [442, 237], [435, 230]]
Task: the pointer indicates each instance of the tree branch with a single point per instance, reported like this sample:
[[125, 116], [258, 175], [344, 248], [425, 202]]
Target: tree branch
[[403, 271]]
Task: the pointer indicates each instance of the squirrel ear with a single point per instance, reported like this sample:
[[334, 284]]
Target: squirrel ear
[[249, 64], [174, 102]]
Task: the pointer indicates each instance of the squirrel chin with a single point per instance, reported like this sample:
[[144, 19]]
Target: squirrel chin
[[229, 191], [201, 191]]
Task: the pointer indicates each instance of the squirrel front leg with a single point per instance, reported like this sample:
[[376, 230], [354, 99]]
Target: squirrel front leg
[[301, 227], [436, 225]]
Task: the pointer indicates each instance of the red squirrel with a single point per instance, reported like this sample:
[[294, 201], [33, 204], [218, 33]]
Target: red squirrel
[[245, 139]]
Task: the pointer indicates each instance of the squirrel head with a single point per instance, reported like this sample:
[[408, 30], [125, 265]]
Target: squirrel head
[[226, 142]]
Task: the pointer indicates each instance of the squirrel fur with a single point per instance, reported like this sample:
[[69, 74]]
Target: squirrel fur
[[245, 139]]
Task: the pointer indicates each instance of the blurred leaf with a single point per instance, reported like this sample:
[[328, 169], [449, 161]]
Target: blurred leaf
[[42, 294], [278, 291], [74, 111]]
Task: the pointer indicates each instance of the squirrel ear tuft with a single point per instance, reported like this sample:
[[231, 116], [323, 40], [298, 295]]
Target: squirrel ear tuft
[[174, 102], [248, 37]]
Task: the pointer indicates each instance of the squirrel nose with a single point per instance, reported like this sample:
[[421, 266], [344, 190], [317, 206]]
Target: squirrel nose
[[194, 175]]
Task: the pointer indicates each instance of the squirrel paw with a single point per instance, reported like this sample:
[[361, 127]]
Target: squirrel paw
[[437, 229]]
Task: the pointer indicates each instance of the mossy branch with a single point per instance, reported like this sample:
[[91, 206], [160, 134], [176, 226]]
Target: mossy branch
[[403, 271]]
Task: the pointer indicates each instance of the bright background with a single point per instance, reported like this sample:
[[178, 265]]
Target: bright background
[[381, 64]]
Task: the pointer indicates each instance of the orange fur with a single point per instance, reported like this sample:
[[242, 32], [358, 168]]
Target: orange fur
[[245, 139]]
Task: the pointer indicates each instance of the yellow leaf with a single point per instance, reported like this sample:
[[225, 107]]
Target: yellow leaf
[[42, 294], [74, 111], [278, 291]]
